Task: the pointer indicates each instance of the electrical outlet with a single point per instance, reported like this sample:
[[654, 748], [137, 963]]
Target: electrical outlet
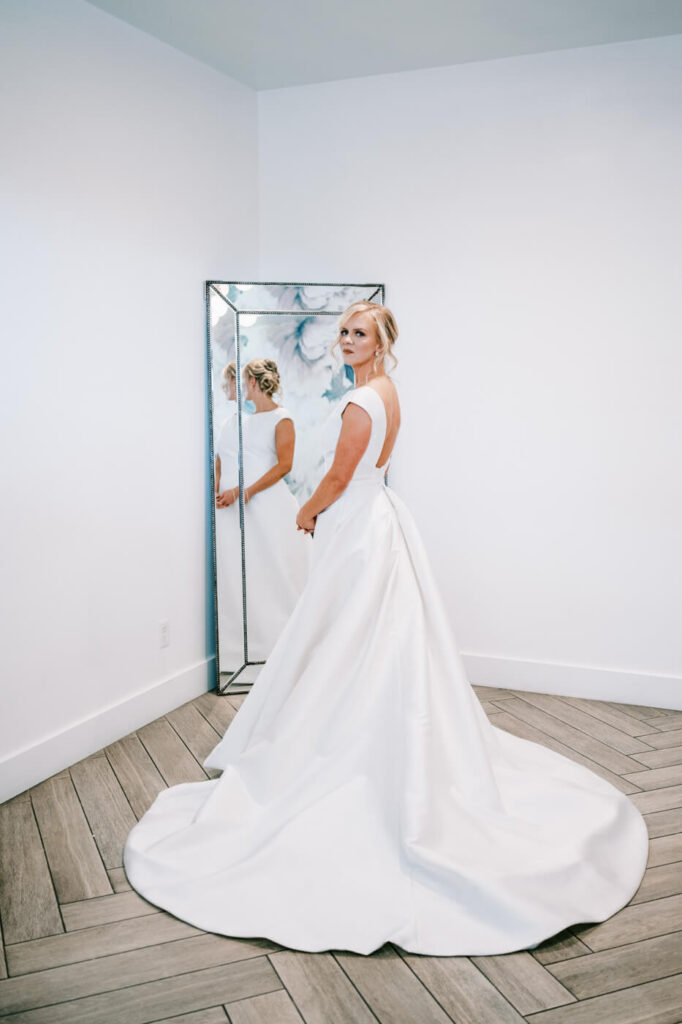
[[164, 633]]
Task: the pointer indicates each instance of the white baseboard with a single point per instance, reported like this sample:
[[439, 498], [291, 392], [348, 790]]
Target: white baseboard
[[27, 767], [562, 680]]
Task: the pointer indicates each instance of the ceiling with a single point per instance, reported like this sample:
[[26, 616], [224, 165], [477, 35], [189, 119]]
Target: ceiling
[[269, 44]]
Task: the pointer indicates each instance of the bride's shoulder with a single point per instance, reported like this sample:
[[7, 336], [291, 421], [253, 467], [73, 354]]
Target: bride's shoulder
[[385, 385], [282, 413], [385, 388]]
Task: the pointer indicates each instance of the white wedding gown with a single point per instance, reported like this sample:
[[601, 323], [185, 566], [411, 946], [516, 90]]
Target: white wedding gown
[[365, 797], [277, 555]]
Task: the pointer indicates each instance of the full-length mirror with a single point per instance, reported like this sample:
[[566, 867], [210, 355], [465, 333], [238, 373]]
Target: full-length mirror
[[273, 381]]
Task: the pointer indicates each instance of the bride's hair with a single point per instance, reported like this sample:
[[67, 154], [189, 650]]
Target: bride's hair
[[265, 373], [384, 323], [229, 372]]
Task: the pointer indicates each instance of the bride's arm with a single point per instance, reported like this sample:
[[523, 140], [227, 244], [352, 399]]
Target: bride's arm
[[285, 440], [356, 430]]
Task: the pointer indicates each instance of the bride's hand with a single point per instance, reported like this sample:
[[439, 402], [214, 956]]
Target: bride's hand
[[226, 498], [305, 522]]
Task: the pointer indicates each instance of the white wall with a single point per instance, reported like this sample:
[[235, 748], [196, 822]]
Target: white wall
[[525, 216], [128, 178]]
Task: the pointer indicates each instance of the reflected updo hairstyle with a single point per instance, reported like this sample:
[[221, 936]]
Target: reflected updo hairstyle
[[384, 323], [265, 373], [229, 372]]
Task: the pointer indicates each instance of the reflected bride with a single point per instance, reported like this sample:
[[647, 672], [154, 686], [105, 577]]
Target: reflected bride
[[277, 556]]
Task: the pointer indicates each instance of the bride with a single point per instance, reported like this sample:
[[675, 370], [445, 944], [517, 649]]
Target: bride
[[277, 557], [364, 795]]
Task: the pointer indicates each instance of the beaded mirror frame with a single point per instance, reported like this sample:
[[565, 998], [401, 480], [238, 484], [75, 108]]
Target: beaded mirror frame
[[292, 323]]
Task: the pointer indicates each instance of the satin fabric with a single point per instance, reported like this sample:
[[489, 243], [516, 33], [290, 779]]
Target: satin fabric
[[364, 796], [277, 554]]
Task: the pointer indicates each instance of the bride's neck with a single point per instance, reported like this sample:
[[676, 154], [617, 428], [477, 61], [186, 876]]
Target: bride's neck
[[365, 376]]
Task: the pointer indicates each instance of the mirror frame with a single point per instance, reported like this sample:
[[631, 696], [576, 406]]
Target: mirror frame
[[376, 293]]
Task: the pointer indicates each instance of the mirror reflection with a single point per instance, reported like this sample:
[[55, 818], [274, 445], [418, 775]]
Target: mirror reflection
[[277, 555], [273, 381]]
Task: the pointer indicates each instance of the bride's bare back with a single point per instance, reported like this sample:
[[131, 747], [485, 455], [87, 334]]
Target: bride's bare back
[[388, 393]]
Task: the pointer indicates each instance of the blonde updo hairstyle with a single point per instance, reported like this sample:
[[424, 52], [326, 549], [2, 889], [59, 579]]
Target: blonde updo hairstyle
[[229, 372], [384, 324], [265, 373]]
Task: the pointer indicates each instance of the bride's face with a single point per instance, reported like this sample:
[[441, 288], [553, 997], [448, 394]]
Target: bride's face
[[358, 339]]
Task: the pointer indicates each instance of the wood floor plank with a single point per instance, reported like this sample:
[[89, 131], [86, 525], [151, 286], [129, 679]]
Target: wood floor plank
[[135, 967], [664, 739], [136, 773], [89, 943], [581, 742], [492, 693], [217, 711], [462, 990], [77, 764], [28, 902], [319, 988], [169, 753], [612, 969], [76, 866], [611, 714], [664, 723], [664, 880], [214, 1015], [526, 983], [656, 1002], [391, 989], [517, 726], [3, 962], [574, 716], [632, 924], [665, 850], [658, 799], [657, 778], [183, 993], [664, 823], [117, 877], [106, 808], [194, 730], [640, 711], [272, 1008], [560, 947], [660, 758], [104, 909]]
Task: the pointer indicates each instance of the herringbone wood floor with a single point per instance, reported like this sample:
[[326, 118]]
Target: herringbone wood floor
[[81, 947]]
